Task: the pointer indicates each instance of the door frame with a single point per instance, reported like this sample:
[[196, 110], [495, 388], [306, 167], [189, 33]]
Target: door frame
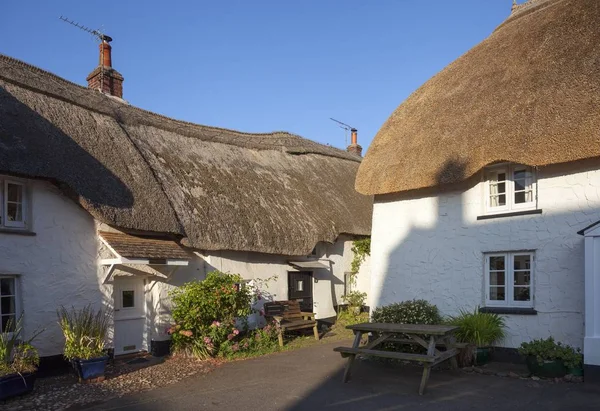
[[143, 316], [312, 288]]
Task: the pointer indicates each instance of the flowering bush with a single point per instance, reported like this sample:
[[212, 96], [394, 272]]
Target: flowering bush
[[205, 313], [408, 312]]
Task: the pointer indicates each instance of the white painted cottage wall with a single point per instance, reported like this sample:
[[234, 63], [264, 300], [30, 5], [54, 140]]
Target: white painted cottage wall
[[431, 246], [57, 266], [60, 266]]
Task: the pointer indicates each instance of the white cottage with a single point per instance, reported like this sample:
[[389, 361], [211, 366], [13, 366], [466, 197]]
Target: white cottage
[[484, 175], [105, 203]]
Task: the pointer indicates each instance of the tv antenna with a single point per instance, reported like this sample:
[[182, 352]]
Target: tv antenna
[[345, 127], [101, 37], [96, 33]]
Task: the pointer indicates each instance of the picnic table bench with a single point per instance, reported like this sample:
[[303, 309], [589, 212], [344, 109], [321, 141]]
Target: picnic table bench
[[438, 335], [289, 317]]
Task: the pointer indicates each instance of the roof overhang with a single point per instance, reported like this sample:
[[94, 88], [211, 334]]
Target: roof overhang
[[593, 230], [309, 264]]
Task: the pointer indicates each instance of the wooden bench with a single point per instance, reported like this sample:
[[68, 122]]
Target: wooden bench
[[289, 317], [439, 335]]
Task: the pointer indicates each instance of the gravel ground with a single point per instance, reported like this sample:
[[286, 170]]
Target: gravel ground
[[64, 392]]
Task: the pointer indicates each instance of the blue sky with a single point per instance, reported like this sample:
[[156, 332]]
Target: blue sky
[[258, 65]]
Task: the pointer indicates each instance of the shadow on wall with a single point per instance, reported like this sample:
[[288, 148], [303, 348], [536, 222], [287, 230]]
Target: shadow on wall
[[32, 146], [429, 245]]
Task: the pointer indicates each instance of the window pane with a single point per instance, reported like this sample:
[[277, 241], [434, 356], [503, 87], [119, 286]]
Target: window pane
[[300, 285], [7, 305], [522, 262], [522, 294], [522, 278], [497, 263], [497, 278], [15, 193], [7, 286], [14, 212], [8, 323], [128, 301], [497, 293], [502, 200], [501, 176]]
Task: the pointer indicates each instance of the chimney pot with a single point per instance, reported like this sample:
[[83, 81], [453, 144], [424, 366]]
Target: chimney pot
[[354, 148], [104, 78]]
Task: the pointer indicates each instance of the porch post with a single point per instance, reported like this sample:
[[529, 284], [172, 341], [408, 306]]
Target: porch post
[[591, 344]]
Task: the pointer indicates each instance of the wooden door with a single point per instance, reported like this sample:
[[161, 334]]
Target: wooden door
[[300, 289]]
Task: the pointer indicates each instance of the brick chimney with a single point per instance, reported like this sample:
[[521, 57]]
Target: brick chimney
[[354, 148], [104, 77]]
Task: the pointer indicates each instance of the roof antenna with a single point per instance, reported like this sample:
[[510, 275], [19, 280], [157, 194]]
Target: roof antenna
[[345, 127], [101, 37]]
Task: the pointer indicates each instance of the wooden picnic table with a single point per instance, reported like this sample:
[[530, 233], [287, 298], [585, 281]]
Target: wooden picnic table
[[415, 334]]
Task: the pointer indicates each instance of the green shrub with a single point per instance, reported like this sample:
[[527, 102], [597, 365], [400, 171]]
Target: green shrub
[[205, 313], [481, 329], [85, 332], [17, 356], [355, 299], [549, 350], [407, 312]]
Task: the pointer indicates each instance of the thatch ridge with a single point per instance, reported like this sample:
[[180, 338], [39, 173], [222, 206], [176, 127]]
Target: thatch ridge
[[125, 112], [529, 94], [217, 189]]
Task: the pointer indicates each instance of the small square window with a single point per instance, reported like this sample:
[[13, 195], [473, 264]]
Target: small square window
[[508, 279], [128, 299], [509, 187], [13, 196]]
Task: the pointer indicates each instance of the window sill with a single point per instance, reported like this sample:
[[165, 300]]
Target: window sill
[[509, 214], [17, 232], [508, 310]]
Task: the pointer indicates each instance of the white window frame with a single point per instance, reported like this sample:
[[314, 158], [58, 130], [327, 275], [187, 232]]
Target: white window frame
[[16, 295], [509, 169], [509, 280], [24, 203]]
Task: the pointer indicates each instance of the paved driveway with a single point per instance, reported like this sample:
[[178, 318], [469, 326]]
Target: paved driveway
[[310, 379]]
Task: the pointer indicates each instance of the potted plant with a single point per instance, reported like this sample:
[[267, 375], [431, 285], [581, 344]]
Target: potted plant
[[574, 361], [18, 361], [478, 330], [85, 332], [355, 301], [547, 358]]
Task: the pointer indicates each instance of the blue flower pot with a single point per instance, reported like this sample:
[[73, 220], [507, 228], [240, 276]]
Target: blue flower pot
[[90, 369], [16, 384]]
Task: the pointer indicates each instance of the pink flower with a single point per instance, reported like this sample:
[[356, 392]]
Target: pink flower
[[207, 340], [216, 324], [187, 333], [246, 344], [231, 336], [236, 331], [235, 347]]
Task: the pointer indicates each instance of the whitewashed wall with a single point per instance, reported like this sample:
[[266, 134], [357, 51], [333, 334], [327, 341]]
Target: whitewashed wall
[[431, 246], [57, 266]]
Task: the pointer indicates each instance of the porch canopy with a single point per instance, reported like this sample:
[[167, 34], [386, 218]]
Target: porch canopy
[[133, 250], [309, 264]]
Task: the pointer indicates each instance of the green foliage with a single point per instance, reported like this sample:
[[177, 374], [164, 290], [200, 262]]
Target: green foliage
[[205, 313], [549, 350], [85, 331], [361, 249], [355, 299], [254, 342], [17, 356], [350, 317], [408, 312], [481, 329]]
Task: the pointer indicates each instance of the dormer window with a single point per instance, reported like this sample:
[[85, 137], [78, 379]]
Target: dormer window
[[509, 187], [13, 198]]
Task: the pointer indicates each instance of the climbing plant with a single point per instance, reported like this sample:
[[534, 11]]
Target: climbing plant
[[361, 249]]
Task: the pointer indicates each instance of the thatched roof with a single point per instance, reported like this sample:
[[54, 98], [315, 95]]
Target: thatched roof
[[529, 93], [218, 189]]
